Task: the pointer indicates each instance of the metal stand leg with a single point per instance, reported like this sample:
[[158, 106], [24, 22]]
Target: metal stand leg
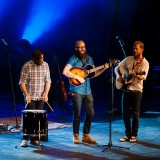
[[111, 114], [39, 136]]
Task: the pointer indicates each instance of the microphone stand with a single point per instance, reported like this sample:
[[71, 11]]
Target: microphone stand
[[111, 112], [121, 44], [13, 93]]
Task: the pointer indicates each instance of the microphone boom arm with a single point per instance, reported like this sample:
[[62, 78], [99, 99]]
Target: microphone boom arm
[[121, 44]]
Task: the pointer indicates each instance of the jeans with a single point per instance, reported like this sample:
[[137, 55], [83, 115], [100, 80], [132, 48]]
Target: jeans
[[79, 100], [131, 102], [34, 105]]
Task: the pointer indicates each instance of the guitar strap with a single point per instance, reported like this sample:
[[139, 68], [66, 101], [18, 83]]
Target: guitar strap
[[85, 61]]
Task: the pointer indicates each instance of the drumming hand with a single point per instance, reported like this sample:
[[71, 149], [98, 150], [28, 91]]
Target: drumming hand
[[45, 99], [28, 99], [106, 66]]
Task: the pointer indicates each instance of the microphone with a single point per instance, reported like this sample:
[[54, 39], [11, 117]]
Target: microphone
[[4, 42], [117, 37]]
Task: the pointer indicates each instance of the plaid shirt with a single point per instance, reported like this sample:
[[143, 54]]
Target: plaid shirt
[[35, 77]]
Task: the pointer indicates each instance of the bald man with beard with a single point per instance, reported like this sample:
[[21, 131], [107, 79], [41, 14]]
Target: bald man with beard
[[81, 93]]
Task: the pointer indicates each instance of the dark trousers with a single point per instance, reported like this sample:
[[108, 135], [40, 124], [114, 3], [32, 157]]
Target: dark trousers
[[78, 101], [131, 102], [34, 105]]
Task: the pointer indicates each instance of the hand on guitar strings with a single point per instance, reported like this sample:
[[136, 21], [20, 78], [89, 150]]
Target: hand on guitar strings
[[106, 66], [80, 79]]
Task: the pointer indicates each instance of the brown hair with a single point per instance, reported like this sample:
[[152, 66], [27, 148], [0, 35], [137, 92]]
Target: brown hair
[[140, 43]]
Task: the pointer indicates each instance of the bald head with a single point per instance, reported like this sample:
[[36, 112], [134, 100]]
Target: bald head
[[80, 49], [79, 43]]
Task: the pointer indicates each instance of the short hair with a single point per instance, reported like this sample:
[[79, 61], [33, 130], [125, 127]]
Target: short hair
[[140, 43], [37, 53]]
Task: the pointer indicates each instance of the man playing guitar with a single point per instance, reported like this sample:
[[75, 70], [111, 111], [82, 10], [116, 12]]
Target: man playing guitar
[[81, 93], [137, 67]]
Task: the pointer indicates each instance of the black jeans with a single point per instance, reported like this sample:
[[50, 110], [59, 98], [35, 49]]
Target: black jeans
[[131, 102], [79, 100], [33, 105]]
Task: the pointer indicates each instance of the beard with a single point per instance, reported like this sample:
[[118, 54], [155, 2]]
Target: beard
[[80, 55], [136, 56]]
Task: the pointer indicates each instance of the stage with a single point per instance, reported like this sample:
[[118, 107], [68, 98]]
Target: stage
[[60, 144]]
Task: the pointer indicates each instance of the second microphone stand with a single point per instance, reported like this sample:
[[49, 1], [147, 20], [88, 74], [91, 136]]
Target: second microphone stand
[[111, 112], [13, 94]]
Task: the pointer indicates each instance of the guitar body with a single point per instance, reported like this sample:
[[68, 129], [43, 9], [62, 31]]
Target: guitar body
[[88, 71], [127, 78], [118, 84], [124, 74], [81, 72]]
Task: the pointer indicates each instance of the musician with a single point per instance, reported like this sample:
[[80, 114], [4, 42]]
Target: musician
[[81, 94], [137, 68], [35, 84]]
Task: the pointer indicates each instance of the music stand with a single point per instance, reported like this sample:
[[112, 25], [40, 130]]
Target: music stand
[[111, 112]]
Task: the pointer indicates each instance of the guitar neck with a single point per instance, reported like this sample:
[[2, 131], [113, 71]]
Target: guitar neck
[[96, 69]]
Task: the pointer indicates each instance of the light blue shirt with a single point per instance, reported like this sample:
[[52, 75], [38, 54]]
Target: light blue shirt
[[83, 89]]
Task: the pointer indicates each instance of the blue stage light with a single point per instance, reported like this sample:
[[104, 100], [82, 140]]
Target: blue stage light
[[4, 5], [43, 16]]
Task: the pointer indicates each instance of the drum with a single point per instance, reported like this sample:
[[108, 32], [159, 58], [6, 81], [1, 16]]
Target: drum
[[34, 122]]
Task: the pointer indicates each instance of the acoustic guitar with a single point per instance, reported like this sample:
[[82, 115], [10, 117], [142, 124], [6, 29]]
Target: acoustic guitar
[[87, 72], [126, 78]]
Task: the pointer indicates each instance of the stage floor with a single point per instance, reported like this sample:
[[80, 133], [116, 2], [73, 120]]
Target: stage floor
[[60, 145]]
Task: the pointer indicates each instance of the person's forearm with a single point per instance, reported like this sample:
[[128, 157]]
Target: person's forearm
[[99, 72], [47, 87], [70, 75], [140, 77], [24, 90]]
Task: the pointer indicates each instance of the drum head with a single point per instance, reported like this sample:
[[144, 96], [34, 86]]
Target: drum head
[[34, 111]]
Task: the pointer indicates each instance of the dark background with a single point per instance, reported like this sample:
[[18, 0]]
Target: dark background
[[100, 23]]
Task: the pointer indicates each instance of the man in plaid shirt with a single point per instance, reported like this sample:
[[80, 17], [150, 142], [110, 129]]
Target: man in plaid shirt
[[35, 84]]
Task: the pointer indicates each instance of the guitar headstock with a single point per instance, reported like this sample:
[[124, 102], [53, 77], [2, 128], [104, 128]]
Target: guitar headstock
[[113, 61]]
